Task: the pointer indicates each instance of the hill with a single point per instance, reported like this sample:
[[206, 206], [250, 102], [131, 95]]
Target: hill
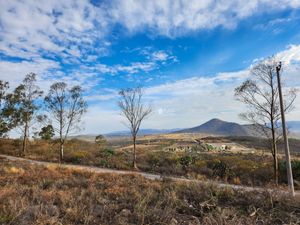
[[220, 127], [212, 127]]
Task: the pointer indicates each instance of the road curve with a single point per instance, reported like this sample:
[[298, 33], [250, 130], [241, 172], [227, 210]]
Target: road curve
[[146, 175]]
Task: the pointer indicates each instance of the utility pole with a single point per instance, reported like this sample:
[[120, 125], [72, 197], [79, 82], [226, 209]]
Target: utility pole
[[286, 141]]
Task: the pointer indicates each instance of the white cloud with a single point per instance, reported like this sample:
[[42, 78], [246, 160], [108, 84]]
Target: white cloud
[[98, 120], [14, 72], [177, 17], [31, 28], [290, 55], [160, 56]]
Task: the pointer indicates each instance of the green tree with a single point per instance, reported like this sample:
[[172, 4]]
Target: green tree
[[5, 124], [66, 107], [47, 132], [23, 105], [100, 141]]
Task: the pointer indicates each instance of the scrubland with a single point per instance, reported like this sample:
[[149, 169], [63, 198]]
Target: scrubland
[[242, 169], [31, 194]]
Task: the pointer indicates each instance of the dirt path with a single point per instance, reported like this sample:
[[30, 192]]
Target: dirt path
[[145, 175]]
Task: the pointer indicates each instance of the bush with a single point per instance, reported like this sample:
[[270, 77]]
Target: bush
[[186, 161], [154, 161], [222, 170], [108, 152], [77, 156], [295, 169]]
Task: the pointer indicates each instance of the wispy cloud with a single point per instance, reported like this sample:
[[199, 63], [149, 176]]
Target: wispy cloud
[[176, 17]]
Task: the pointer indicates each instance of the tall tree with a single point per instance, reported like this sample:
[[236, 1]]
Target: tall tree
[[5, 125], [135, 111], [66, 107], [260, 94], [23, 104]]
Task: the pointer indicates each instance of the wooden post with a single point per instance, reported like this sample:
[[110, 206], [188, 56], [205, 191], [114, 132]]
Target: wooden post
[[286, 141]]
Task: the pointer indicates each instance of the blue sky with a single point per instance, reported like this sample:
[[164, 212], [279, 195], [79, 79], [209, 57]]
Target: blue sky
[[188, 55]]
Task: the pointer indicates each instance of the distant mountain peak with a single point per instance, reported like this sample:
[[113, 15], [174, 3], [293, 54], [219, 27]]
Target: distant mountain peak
[[219, 127]]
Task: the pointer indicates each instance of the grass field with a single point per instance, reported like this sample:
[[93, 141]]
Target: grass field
[[31, 194]]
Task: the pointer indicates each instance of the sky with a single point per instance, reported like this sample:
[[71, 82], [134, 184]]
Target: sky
[[187, 55]]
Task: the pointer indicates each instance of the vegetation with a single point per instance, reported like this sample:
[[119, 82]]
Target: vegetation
[[50, 195], [47, 132], [135, 112], [245, 169], [260, 94], [66, 107], [101, 141], [22, 105]]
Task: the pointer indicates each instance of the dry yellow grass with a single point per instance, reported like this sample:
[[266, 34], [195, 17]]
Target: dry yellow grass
[[41, 195]]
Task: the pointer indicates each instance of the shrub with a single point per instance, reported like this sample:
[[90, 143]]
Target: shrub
[[221, 169], [295, 169], [209, 147], [186, 161], [154, 161], [77, 156]]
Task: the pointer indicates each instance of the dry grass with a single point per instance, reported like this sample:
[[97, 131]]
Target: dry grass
[[245, 169], [31, 194]]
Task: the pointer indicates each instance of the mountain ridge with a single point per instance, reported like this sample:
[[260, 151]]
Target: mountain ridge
[[212, 127]]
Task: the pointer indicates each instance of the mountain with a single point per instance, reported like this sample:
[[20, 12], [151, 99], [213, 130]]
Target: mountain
[[220, 127], [213, 127]]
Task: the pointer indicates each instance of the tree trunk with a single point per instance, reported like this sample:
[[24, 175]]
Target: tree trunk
[[61, 152], [134, 153], [24, 144], [275, 159]]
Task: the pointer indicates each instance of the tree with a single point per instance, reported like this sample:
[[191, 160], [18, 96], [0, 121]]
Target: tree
[[135, 111], [23, 105], [5, 125], [66, 107], [100, 141], [260, 94], [47, 132]]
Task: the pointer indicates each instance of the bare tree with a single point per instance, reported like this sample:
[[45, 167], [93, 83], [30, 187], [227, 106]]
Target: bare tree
[[260, 94], [66, 107], [135, 112], [23, 105]]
